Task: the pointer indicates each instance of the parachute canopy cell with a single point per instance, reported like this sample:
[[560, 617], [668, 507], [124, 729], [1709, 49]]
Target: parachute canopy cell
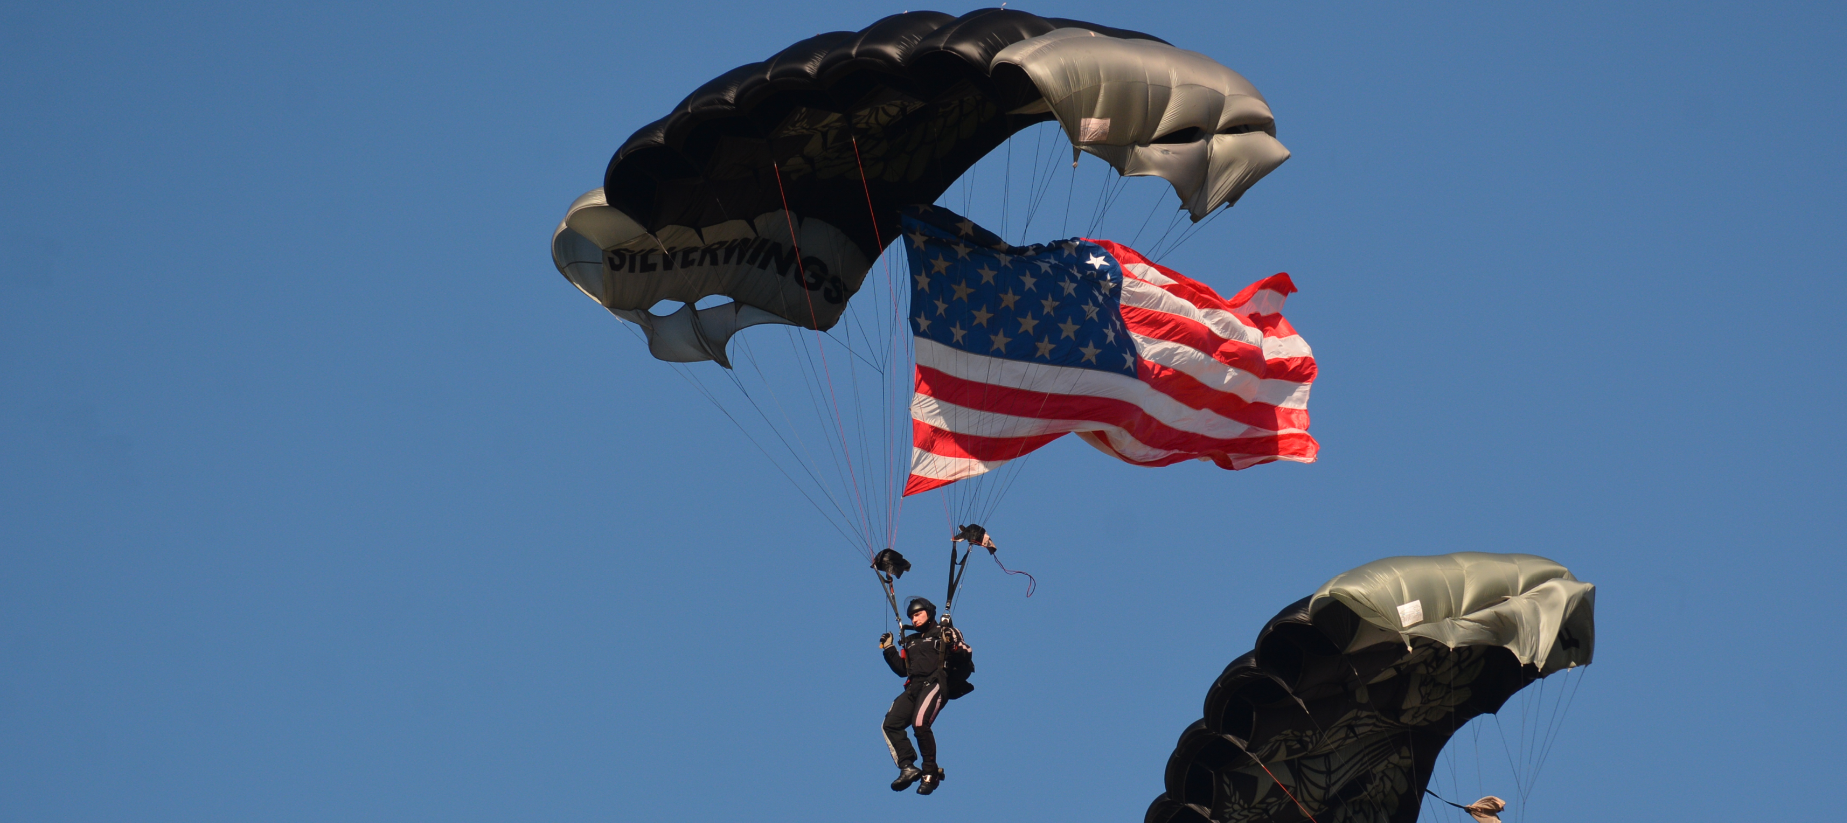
[[777, 183], [1353, 691]]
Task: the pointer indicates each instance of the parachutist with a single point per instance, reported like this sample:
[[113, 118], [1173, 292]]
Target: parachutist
[[935, 662]]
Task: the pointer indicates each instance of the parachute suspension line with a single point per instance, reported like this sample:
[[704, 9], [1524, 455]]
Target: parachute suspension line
[[859, 409], [1551, 734], [699, 387], [848, 345], [1042, 184], [948, 523], [1006, 188], [1544, 735], [1519, 782], [1193, 231], [1534, 745], [1480, 787], [1070, 191], [814, 383], [1455, 782], [860, 427], [1172, 223], [1110, 194], [899, 387], [1097, 207], [804, 357], [1106, 197], [1528, 700], [1138, 232], [1279, 784], [885, 395], [894, 498], [1032, 184], [968, 189], [801, 269], [800, 456], [1561, 708], [805, 458]]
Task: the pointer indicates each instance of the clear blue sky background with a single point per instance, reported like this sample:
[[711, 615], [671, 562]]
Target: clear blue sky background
[[324, 497]]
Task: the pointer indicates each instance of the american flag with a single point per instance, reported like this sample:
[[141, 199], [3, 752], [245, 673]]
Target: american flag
[[1016, 346]]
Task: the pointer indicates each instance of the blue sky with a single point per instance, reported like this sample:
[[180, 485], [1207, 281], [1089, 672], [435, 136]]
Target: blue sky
[[323, 496]]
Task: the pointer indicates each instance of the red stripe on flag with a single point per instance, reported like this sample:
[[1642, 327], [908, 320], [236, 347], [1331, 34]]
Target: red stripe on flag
[[918, 483], [974, 446], [1194, 335], [1121, 414], [1279, 283], [1251, 451], [1188, 390]]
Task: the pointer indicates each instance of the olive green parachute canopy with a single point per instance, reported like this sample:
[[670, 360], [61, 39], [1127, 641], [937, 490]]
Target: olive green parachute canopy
[[777, 184], [1352, 692], [1150, 109]]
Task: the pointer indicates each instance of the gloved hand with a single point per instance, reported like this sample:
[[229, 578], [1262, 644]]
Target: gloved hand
[[885, 640]]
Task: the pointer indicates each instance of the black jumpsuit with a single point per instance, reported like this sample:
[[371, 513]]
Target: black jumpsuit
[[921, 661]]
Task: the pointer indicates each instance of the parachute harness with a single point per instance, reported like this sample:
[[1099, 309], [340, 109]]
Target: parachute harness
[[975, 535], [888, 565]]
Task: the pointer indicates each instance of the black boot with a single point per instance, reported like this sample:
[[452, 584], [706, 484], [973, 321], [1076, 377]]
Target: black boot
[[907, 774], [932, 778]]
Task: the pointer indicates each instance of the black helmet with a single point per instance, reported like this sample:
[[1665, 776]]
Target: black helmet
[[919, 604]]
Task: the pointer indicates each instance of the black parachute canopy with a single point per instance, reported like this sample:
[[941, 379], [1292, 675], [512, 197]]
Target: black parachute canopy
[[1352, 692], [778, 183], [914, 89]]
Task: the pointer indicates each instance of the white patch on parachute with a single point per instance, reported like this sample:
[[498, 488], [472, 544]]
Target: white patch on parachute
[[1411, 614]]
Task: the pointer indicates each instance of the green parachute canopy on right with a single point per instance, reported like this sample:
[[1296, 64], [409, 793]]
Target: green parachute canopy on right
[[1353, 691]]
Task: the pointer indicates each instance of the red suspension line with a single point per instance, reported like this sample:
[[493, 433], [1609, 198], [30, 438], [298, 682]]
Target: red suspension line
[[1279, 784], [839, 427], [894, 501]]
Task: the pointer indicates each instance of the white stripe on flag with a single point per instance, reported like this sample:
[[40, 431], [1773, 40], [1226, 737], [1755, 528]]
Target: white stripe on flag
[[1287, 394], [1085, 383], [1146, 295]]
